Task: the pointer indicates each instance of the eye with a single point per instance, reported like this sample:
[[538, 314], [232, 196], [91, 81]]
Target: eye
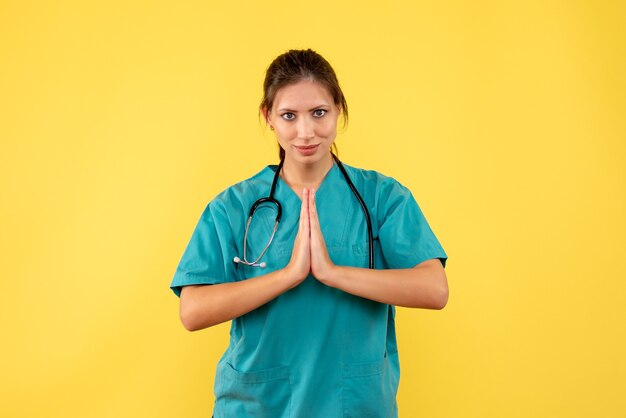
[[318, 113], [288, 116]]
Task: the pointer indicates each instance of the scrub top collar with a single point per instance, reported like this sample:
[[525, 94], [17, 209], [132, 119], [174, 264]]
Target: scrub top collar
[[286, 192]]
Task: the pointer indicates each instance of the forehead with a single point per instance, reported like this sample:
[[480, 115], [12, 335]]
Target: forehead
[[303, 94]]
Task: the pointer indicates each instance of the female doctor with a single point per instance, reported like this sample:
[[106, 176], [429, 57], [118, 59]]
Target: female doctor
[[313, 331]]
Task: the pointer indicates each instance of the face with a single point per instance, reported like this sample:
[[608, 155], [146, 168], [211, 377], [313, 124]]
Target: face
[[304, 117]]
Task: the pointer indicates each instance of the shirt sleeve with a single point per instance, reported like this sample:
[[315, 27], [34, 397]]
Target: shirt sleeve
[[405, 237], [209, 253]]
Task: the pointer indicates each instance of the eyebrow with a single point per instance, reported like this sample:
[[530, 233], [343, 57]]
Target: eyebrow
[[295, 111]]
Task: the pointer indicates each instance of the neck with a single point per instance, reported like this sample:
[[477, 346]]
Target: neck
[[298, 175]]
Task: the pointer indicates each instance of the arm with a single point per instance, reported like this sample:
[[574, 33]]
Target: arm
[[423, 286], [202, 306]]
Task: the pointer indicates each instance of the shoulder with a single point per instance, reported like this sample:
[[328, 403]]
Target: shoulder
[[372, 181], [383, 194], [243, 193]]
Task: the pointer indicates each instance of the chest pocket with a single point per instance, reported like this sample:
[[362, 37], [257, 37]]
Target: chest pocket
[[351, 254]]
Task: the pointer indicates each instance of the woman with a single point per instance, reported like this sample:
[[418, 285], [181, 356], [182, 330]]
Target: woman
[[312, 332]]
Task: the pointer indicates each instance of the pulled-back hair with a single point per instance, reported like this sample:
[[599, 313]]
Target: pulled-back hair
[[294, 66]]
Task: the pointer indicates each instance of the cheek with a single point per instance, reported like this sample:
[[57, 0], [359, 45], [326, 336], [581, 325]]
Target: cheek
[[328, 129], [285, 132]]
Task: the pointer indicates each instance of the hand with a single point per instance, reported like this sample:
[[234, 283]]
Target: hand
[[322, 266], [300, 264]]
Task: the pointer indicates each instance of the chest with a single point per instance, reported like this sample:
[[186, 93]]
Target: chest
[[343, 226]]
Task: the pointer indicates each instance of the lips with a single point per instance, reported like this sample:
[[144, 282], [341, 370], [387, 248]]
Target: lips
[[306, 149]]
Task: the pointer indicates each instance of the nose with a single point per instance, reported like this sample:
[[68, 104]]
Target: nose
[[306, 129]]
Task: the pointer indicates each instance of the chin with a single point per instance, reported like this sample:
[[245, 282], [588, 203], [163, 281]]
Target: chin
[[310, 159]]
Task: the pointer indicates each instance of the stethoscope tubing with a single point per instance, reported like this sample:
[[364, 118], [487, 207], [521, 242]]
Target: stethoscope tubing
[[368, 219], [253, 208], [279, 210]]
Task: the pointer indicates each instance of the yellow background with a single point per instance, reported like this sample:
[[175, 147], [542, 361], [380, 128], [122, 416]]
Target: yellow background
[[120, 120]]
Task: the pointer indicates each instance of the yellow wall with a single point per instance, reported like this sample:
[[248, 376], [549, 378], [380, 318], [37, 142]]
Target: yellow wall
[[118, 122]]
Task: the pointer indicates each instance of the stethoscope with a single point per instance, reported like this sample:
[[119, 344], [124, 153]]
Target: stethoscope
[[279, 212]]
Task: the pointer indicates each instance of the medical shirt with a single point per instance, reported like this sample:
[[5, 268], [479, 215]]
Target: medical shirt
[[314, 351]]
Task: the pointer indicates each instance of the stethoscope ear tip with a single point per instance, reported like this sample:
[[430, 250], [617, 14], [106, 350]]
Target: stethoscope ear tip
[[262, 265], [237, 260]]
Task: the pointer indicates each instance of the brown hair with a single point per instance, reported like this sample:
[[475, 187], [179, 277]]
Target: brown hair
[[296, 65]]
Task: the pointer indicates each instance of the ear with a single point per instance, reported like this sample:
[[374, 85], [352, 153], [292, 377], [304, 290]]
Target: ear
[[266, 114], [339, 109]]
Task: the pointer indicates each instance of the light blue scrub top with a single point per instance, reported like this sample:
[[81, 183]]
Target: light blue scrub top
[[314, 351]]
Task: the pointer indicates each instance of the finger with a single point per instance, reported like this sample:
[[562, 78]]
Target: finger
[[305, 202], [314, 220], [317, 239], [304, 211], [320, 260]]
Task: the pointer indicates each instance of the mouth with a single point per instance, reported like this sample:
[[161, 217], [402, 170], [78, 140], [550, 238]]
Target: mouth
[[306, 149]]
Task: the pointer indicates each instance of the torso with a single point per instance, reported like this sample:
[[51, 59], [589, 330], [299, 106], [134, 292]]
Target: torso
[[313, 348]]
